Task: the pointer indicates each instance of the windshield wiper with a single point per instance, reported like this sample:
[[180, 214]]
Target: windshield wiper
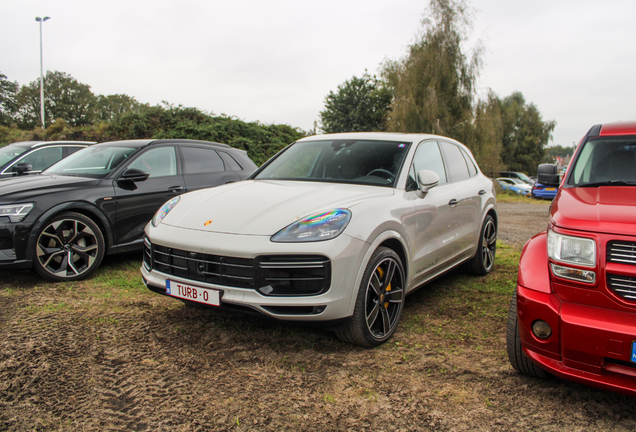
[[609, 183]]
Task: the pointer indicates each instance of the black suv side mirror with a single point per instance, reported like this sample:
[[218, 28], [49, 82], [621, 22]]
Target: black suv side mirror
[[135, 175], [23, 168]]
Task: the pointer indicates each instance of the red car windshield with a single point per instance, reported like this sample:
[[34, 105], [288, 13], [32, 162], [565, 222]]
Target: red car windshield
[[605, 161]]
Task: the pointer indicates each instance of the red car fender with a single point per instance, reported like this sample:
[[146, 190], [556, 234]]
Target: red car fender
[[533, 264], [535, 299]]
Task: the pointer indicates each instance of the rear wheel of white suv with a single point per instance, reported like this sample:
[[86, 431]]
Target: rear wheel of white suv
[[481, 264]]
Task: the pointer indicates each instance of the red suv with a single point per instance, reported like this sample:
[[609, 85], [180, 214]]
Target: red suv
[[573, 313]]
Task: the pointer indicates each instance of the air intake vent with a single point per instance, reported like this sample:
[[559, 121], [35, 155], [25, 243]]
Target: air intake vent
[[624, 286], [621, 252]]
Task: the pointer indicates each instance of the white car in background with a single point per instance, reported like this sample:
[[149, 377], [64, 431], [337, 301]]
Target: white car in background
[[334, 229]]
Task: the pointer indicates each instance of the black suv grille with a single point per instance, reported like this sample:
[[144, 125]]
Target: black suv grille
[[624, 286], [271, 275], [621, 252]]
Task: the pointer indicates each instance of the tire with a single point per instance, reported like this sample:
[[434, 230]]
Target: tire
[[518, 359], [69, 247], [379, 302], [482, 263]]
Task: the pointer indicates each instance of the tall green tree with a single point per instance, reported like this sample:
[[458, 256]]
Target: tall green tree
[[525, 134], [359, 105], [8, 105], [109, 107], [433, 86], [484, 136], [64, 97]]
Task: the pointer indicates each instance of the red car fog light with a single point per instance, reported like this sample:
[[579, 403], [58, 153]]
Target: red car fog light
[[541, 329]]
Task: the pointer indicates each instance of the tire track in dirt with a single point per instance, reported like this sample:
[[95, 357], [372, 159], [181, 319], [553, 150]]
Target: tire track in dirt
[[59, 351]]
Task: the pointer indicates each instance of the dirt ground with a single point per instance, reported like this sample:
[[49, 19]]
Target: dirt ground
[[104, 358]]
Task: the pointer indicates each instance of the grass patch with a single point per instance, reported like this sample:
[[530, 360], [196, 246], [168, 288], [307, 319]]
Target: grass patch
[[513, 197], [462, 307], [118, 279]]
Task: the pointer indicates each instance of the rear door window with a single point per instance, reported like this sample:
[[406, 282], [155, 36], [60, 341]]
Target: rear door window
[[455, 162]]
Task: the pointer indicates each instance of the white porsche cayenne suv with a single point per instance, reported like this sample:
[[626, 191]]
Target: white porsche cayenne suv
[[334, 229]]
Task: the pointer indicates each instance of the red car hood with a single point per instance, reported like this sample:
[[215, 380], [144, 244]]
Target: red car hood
[[606, 209]]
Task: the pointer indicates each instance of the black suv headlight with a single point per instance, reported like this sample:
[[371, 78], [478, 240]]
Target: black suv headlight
[[16, 212]]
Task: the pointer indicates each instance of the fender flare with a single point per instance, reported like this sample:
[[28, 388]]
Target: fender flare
[[534, 272]]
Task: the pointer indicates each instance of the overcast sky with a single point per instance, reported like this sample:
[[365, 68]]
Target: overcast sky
[[275, 61]]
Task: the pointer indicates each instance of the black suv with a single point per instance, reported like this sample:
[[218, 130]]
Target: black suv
[[98, 200], [32, 157]]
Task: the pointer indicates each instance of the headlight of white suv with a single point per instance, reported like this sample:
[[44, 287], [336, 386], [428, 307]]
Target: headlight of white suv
[[317, 227], [164, 210], [16, 212], [572, 250]]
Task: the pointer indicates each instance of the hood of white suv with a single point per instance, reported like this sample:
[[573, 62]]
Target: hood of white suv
[[262, 207]]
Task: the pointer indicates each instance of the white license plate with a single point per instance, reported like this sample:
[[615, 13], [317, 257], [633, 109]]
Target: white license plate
[[193, 293]]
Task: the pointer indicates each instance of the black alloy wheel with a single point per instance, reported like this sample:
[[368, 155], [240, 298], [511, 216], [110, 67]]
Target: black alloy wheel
[[379, 303], [69, 247], [482, 263]]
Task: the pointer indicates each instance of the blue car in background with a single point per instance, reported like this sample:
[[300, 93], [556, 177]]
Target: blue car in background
[[515, 185], [541, 191]]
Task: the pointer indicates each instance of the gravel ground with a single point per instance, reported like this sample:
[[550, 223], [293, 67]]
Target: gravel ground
[[520, 221]]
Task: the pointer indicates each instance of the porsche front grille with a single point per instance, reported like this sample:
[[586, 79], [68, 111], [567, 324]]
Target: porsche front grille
[[272, 275]]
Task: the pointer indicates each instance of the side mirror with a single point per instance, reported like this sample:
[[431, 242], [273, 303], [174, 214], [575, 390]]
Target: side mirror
[[547, 174], [23, 168], [426, 180], [135, 175]]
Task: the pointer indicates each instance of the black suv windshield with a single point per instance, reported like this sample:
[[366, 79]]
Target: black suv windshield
[[605, 161], [96, 161], [341, 161]]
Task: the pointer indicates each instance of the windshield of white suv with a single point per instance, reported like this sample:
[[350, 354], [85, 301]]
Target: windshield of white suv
[[95, 161], [605, 161], [341, 161]]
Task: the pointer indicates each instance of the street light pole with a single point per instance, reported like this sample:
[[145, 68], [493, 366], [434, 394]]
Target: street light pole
[[41, 20]]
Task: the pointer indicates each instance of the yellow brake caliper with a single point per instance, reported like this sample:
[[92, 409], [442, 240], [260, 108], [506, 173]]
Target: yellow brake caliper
[[388, 288]]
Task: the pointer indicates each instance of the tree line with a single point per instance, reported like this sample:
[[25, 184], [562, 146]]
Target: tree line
[[432, 89], [81, 115]]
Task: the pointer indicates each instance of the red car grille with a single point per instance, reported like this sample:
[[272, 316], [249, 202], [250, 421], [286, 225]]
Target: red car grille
[[624, 286], [621, 252]]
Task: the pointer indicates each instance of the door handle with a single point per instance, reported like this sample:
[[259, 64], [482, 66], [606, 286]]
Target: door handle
[[176, 189], [452, 202], [481, 192]]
